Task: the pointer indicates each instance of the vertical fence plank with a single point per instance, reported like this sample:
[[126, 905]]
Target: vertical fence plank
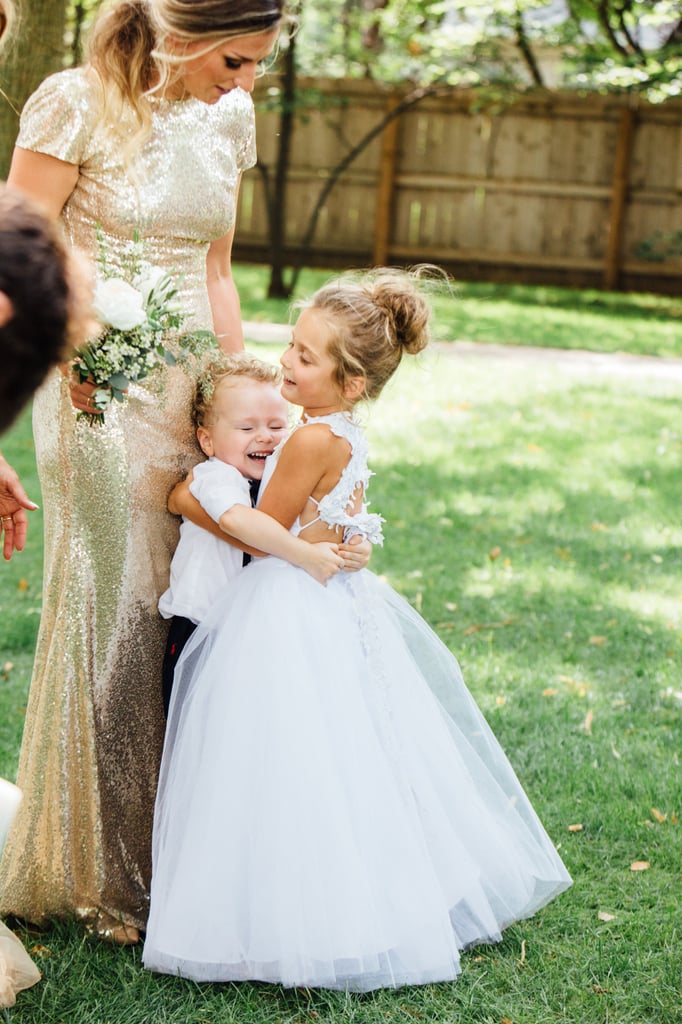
[[619, 193], [385, 186]]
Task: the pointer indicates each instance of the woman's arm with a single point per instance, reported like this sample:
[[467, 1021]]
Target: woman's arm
[[47, 180], [222, 293]]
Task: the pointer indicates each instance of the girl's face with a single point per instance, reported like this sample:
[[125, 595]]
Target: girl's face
[[309, 368], [210, 75]]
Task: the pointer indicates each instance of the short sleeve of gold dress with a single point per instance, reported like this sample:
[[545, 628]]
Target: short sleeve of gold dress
[[81, 843]]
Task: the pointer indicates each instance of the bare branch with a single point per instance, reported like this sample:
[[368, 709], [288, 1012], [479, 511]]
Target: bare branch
[[524, 46]]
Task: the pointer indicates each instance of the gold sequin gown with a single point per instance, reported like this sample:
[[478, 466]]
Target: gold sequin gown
[[94, 723]]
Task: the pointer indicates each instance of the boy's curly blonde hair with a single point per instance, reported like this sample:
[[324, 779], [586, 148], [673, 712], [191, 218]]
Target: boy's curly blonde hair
[[220, 367]]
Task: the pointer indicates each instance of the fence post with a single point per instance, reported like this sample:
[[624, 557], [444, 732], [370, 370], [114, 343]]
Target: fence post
[[384, 202], [619, 195]]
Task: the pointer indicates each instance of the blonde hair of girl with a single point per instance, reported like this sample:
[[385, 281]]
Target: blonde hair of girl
[[372, 322], [129, 47]]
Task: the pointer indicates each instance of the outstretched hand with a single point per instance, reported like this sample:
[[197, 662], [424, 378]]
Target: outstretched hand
[[13, 504]]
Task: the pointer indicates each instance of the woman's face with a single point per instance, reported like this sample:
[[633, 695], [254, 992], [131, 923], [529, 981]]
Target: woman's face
[[229, 65]]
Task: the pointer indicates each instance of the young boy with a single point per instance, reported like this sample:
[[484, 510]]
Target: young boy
[[240, 417]]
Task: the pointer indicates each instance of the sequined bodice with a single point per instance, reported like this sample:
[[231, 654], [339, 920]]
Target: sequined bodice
[[335, 508], [179, 191]]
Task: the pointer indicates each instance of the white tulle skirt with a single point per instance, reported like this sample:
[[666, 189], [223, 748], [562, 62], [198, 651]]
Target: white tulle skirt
[[333, 810]]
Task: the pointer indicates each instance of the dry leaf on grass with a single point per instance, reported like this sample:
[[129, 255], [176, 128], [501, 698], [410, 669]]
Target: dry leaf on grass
[[587, 721], [487, 625], [658, 815], [604, 916]]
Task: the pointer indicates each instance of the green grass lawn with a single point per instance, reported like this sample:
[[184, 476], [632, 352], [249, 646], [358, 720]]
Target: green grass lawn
[[515, 314], [534, 519]]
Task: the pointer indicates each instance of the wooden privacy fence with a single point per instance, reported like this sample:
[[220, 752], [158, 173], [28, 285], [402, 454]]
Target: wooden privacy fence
[[557, 188]]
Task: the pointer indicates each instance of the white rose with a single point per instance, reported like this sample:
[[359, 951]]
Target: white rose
[[118, 304], [148, 279]]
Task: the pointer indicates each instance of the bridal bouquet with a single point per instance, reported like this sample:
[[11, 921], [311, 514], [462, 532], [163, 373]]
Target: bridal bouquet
[[137, 309]]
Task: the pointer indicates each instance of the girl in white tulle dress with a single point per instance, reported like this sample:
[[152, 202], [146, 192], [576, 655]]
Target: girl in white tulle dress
[[333, 810]]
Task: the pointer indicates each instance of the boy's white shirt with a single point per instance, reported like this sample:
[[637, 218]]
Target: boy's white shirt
[[203, 564]]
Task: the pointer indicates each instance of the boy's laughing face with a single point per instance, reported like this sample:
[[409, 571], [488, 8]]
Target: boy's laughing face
[[249, 420]]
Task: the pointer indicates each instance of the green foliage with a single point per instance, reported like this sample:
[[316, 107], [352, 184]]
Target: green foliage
[[533, 516], [660, 247], [605, 45]]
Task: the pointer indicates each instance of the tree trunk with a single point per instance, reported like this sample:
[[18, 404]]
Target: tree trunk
[[277, 288], [36, 50]]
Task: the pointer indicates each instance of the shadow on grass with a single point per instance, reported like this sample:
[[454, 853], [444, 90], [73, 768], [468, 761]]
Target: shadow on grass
[[611, 304]]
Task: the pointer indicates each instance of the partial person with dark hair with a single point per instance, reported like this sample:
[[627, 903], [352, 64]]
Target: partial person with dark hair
[[36, 300], [333, 810], [151, 135], [44, 311]]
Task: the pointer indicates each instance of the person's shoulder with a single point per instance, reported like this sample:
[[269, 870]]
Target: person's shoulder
[[233, 120], [59, 118], [234, 111], [238, 102], [310, 439], [72, 84], [214, 469]]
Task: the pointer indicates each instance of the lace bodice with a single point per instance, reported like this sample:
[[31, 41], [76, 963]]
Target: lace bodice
[[333, 507]]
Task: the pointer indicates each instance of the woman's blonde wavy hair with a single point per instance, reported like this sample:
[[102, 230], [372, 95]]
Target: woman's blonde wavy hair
[[129, 52]]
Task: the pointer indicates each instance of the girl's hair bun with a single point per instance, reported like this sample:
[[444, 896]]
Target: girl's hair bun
[[406, 311]]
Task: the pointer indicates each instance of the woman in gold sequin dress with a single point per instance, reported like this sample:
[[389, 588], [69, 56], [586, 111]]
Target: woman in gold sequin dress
[[95, 150]]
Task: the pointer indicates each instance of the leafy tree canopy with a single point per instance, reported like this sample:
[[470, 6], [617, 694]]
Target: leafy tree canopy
[[587, 44]]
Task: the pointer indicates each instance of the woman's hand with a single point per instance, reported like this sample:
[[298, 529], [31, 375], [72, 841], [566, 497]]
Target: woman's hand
[[355, 554], [81, 396], [13, 503]]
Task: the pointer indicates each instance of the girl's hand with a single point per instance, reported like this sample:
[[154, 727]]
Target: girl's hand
[[355, 554], [323, 561]]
